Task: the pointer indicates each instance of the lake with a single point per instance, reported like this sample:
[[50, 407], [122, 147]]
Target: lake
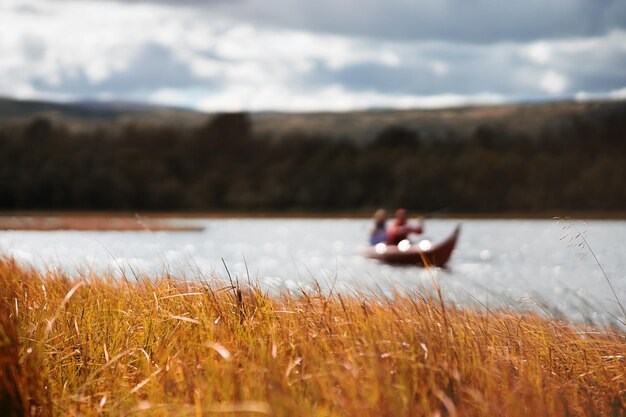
[[514, 263]]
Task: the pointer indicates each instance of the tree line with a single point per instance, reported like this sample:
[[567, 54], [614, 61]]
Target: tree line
[[223, 166]]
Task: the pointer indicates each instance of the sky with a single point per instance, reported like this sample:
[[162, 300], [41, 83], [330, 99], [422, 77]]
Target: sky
[[303, 55]]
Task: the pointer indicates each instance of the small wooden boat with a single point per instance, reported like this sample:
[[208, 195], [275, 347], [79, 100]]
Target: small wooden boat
[[421, 253]]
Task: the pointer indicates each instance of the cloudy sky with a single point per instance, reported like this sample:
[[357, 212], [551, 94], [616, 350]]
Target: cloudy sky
[[313, 55]]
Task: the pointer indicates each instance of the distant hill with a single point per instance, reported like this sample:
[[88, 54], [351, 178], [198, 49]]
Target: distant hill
[[91, 114], [526, 119]]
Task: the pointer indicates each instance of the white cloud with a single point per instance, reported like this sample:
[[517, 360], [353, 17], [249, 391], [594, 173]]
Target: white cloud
[[178, 56], [332, 98], [390, 59], [92, 38], [539, 52], [439, 68], [619, 94], [553, 82], [205, 68], [168, 97]]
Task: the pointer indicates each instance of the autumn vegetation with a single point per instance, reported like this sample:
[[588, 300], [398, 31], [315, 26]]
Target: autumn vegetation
[[160, 346]]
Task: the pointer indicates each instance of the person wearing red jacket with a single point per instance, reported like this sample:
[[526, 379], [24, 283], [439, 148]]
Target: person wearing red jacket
[[400, 229]]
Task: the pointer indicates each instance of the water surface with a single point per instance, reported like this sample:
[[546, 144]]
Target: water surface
[[497, 262]]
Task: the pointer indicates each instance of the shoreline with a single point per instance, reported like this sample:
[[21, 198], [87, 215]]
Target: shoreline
[[165, 221], [357, 214], [91, 222]]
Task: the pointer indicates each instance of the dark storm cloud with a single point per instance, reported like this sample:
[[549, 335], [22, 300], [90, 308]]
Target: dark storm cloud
[[480, 21]]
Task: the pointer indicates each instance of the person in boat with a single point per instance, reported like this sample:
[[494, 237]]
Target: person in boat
[[379, 233], [400, 228]]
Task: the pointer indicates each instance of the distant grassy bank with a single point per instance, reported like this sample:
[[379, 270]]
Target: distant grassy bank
[[155, 220], [91, 222], [160, 346]]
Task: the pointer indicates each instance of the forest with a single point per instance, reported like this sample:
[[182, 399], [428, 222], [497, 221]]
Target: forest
[[224, 166]]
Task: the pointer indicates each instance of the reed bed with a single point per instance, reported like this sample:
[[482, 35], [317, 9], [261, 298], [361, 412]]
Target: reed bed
[[164, 347]]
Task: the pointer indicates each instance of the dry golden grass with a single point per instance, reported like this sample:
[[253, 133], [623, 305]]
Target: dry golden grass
[[164, 347]]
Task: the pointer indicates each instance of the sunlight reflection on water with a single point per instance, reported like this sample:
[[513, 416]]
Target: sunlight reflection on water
[[499, 262]]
